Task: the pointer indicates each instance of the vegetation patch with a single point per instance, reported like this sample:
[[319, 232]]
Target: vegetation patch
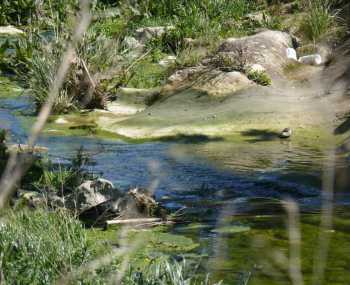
[[260, 77], [320, 21], [38, 246]]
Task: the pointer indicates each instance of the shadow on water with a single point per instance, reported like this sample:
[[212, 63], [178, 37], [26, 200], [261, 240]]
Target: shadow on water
[[190, 139], [343, 127], [260, 135]]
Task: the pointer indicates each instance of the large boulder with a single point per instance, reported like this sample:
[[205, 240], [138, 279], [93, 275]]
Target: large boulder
[[267, 48], [92, 193], [226, 70]]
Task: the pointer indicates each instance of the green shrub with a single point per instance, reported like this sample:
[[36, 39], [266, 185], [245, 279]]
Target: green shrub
[[260, 77], [37, 246]]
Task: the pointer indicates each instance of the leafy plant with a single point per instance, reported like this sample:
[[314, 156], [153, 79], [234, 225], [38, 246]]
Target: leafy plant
[[260, 77]]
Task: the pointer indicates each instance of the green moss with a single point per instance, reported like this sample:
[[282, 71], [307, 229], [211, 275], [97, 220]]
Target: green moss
[[77, 124]]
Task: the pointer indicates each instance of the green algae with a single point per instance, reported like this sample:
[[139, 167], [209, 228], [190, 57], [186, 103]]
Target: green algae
[[9, 89], [77, 124], [257, 251], [233, 229], [147, 243]]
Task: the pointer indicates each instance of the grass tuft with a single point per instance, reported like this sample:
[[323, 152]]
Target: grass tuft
[[37, 246], [320, 19]]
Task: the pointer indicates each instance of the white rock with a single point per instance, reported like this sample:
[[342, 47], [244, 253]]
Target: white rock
[[61, 121], [10, 30], [168, 60], [312, 59], [291, 53]]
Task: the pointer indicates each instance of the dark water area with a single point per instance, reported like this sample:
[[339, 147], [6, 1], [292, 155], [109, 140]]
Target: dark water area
[[232, 193]]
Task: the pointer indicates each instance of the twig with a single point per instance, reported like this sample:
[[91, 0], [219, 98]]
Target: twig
[[93, 83]]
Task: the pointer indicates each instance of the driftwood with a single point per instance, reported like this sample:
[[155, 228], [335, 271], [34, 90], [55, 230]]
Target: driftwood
[[140, 222], [133, 221]]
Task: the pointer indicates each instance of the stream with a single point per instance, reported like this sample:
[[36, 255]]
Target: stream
[[232, 190]]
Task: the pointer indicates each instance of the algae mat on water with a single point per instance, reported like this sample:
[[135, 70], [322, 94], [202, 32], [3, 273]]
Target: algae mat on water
[[261, 254], [8, 88], [144, 244]]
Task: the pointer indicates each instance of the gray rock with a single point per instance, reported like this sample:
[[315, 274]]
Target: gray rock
[[222, 83], [92, 193], [267, 48], [259, 18], [133, 204], [184, 74], [132, 43]]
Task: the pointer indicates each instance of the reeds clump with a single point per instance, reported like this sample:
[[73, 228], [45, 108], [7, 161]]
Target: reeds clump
[[320, 20], [38, 246]]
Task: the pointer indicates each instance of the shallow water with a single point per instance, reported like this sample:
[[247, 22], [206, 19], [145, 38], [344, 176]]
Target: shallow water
[[217, 181]]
